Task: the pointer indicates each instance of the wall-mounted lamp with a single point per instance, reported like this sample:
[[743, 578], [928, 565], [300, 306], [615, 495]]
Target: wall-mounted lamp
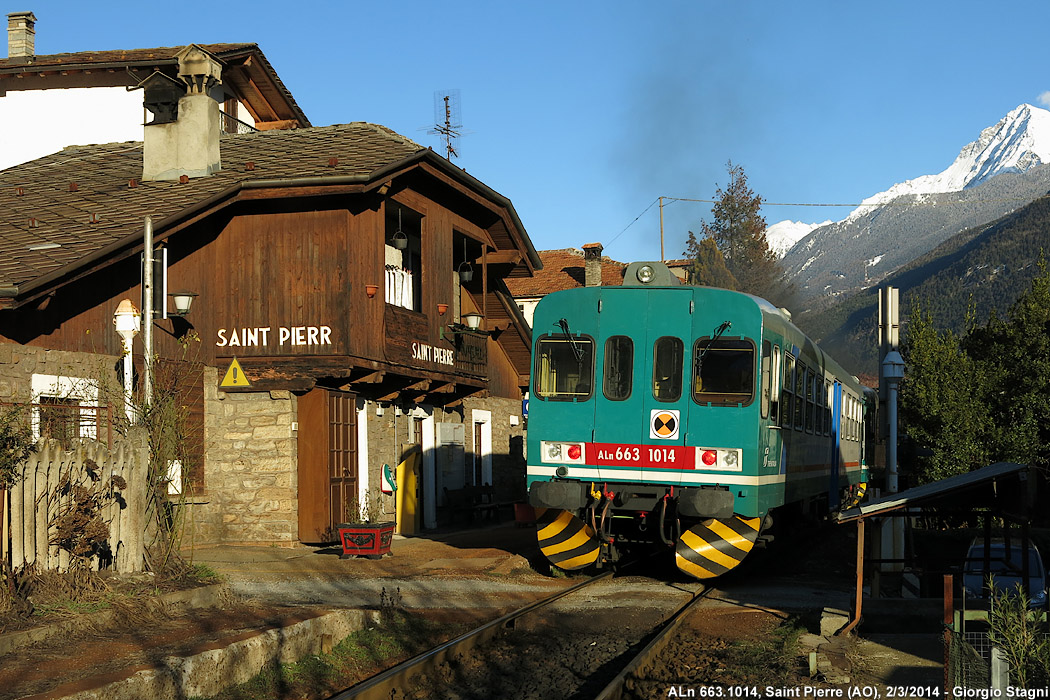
[[182, 301], [466, 272], [471, 325], [371, 289], [399, 240]]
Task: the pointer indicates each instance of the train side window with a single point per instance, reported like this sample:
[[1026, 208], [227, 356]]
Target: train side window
[[774, 408], [800, 396], [829, 400], [618, 368], [767, 384], [667, 368], [724, 371], [564, 368], [811, 396], [788, 397]]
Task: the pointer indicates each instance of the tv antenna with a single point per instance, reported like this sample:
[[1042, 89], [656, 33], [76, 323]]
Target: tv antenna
[[447, 120]]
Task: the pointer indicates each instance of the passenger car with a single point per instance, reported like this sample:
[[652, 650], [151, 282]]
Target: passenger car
[[1007, 571]]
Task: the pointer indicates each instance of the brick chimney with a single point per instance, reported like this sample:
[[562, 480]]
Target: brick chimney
[[183, 137], [21, 35], [592, 264]]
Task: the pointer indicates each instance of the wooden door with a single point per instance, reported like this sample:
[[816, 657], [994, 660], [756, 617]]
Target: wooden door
[[327, 462]]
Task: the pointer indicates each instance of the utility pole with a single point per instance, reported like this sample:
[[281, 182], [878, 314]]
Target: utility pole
[[661, 228], [147, 312]]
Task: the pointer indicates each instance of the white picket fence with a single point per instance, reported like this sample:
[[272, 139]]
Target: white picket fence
[[30, 506]]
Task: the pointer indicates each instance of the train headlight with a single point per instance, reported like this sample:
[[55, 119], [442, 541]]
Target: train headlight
[[562, 452], [718, 458], [646, 274]]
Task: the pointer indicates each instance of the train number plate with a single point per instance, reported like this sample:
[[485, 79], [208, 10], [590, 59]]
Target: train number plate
[[604, 454]]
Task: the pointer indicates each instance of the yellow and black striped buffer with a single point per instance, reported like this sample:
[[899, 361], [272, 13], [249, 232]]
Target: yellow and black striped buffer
[[566, 541], [858, 494], [716, 546]]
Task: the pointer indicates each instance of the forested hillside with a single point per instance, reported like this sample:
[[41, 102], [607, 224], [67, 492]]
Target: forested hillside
[[965, 279]]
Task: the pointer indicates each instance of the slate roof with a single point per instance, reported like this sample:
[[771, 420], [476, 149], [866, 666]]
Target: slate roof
[[563, 269], [148, 59], [39, 203]]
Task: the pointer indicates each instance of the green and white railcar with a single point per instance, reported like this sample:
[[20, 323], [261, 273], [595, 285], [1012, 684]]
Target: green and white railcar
[[662, 413]]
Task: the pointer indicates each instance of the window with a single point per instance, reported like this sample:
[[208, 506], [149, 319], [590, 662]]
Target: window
[[829, 400], [787, 410], [618, 368], [767, 384], [66, 407], [723, 371], [564, 368], [404, 266], [800, 396], [811, 395], [59, 418], [667, 368]]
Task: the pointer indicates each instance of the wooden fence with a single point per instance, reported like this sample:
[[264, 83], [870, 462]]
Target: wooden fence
[[32, 505]]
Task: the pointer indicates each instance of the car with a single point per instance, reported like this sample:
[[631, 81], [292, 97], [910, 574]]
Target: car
[[1006, 570]]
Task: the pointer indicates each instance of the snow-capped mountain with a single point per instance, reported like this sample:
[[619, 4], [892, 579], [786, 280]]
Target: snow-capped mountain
[[1005, 168], [1019, 141], [782, 235]]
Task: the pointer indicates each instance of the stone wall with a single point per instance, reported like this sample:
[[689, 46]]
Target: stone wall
[[18, 363], [250, 469]]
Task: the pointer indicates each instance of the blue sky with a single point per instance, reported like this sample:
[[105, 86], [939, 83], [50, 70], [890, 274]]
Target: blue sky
[[584, 113]]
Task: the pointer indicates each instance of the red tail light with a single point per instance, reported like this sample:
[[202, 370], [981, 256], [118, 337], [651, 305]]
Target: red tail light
[[574, 452], [709, 457]]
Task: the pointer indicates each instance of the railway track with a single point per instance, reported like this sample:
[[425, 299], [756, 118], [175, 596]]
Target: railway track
[[549, 653]]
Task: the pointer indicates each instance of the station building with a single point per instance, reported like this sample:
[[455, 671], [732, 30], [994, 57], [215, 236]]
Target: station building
[[338, 274]]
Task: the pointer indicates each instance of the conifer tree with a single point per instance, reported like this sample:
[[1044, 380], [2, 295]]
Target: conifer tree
[[708, 267], [738, 231]]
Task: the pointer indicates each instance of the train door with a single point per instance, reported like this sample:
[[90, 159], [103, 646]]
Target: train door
[[836, 446], [642, 401]]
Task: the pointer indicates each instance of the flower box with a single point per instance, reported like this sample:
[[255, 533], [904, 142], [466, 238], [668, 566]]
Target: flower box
[[370, 540]]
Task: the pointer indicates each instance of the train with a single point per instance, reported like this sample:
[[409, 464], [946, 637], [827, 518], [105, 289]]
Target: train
[[683, 418]]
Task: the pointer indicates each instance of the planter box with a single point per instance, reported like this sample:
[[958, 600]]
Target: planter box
[[370, 540]]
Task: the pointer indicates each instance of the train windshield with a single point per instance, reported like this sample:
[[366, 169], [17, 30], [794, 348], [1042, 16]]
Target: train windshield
[[726, 374], [564, 368]]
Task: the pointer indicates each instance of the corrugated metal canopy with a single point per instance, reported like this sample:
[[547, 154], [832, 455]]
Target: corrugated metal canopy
[[920, 495]]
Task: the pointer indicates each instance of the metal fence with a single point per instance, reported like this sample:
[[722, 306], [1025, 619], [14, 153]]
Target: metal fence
[[970, 660]]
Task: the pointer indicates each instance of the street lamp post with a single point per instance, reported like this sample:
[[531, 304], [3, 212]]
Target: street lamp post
[[128, 322]]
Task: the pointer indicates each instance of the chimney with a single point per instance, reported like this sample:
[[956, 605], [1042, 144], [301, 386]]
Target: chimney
[[21, 35], [183, 137], [592, 264]]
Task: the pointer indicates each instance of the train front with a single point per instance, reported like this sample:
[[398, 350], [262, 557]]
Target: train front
[[644, 426]]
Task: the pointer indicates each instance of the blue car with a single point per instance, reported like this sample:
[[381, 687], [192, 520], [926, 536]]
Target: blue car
[[1006, 570]]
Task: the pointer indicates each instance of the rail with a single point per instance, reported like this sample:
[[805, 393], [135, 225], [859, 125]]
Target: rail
[[614, 690], [389, 682]]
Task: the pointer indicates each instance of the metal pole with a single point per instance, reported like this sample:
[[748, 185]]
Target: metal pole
[[891, 444], [147, 312], [661, 229]]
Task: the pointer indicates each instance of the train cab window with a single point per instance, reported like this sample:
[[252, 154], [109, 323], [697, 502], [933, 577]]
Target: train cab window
[[667, 368], [564, 368], [724, 371], [618, 367], [787, 399]]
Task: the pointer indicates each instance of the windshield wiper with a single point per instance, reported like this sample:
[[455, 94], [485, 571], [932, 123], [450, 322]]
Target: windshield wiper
[[719, 332], [576, 351]]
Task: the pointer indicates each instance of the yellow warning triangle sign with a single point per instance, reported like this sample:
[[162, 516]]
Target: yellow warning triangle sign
[[235, 376]]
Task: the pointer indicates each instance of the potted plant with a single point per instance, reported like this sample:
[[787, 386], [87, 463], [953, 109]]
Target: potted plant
[[365, 533]]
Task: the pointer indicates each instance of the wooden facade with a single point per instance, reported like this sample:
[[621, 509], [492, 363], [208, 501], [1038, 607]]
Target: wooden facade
[[296, 279]]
